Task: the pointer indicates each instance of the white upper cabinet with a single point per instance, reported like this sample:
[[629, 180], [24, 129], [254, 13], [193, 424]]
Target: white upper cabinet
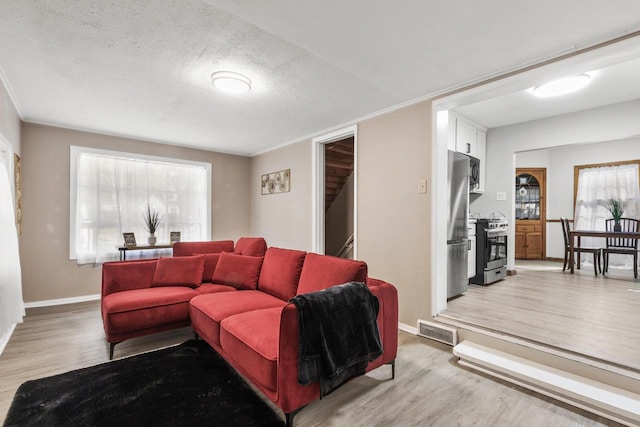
[[468, 138], [465, 138]]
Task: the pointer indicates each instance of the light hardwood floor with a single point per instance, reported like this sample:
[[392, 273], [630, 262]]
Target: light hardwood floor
[[430, 388], [595, 316]]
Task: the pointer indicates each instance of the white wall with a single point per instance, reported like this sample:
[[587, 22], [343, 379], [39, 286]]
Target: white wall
[[610, 123], [9, 120], [560, 164]]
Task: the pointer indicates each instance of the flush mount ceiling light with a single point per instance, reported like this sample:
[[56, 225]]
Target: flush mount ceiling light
[[562, 86], [228, 81]]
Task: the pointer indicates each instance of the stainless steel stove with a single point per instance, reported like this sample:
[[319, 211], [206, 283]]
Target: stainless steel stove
[[491, 250]]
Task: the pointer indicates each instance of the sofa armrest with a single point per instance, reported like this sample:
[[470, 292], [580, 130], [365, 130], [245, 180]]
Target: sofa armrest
[[127, 275], [387, 316], [290, 394]]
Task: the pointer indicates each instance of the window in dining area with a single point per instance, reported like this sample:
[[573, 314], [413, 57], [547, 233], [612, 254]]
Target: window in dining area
[[594, 187]]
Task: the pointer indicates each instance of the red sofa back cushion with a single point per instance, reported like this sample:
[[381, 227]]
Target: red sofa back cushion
[[127, 275], [253, 246], [239, 271], [280, 272], [210, 263], [180, 271], [197, 248], [323, 271]]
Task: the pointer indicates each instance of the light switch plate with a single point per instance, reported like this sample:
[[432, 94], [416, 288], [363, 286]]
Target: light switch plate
[[422, 186], [501, 195]]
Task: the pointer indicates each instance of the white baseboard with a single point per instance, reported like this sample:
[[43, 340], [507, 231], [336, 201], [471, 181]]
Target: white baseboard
[[5, 338], [407, 328], [610, 402], [62, 301]]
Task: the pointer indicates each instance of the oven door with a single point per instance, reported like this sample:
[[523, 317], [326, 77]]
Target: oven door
[[496, 249]]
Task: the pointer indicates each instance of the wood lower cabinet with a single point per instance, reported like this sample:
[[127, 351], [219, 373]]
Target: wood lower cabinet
[[529, 241]]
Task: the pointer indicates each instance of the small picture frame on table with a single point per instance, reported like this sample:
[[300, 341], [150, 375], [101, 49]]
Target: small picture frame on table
[[129, 239], [174, 237]]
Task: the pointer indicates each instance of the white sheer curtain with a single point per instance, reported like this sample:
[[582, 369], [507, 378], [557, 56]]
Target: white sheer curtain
[[595, 187], [110, 192], [11, 303]]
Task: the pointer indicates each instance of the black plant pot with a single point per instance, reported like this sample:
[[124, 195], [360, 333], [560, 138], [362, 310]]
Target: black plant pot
[[617, 227]]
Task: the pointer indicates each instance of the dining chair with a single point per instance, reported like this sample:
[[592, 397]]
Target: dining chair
[[622, 245], [577, 249]]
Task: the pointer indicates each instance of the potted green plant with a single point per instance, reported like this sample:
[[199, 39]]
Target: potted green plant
[[617, 207], [151, 222]]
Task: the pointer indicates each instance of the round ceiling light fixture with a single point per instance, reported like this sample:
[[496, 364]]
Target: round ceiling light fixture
[[562, 86], [230, 82]]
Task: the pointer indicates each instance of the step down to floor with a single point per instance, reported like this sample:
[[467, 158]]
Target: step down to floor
[[616, 404]]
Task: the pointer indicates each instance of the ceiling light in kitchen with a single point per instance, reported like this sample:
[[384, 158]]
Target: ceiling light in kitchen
[[228, 81], [562, 86]]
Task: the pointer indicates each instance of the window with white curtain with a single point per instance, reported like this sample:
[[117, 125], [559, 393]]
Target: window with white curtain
[[596, 185], [110, 192]]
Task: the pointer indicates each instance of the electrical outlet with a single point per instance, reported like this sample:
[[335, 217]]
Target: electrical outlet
[[422, 186], [501, 195]]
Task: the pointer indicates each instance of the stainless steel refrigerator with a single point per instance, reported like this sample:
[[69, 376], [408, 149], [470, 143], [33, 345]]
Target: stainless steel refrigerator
[[457, 232]]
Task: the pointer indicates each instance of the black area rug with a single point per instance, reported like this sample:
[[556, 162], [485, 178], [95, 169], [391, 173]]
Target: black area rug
[[186, 385]]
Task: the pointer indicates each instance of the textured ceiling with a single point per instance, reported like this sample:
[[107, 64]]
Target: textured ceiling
[[141, 68]]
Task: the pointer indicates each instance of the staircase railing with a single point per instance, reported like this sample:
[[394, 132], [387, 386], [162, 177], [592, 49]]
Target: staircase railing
[[346, 248]]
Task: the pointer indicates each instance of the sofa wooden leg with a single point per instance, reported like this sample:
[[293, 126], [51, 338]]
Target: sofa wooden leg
[[393, 368], [112, 345]]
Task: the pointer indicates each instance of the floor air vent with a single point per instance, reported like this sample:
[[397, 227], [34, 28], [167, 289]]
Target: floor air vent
[[437, 332]]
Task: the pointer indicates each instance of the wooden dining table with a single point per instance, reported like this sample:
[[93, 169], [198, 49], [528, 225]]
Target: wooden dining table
[[595, 233]]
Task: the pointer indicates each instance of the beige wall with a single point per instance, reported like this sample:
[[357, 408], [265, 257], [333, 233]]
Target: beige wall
[[394, 152], [283, 219], [394, 238], [47, 272]]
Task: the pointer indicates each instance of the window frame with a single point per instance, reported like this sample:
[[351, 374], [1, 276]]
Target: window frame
[[75, 152], [576, 175]]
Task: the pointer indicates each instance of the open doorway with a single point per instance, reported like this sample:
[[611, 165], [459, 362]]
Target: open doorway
[[338, 197], [518, 138], [335, 193]]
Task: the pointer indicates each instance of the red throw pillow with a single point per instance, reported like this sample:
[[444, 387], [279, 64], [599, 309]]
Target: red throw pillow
[[239, 271], [280, 272], [179, 271], [210, 263]]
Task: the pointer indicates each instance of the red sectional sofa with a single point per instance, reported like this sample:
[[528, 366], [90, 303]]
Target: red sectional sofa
[[243, 311], [147, 296]]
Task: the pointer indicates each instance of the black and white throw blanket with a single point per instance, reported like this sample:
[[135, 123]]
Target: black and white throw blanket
[[338, 334]]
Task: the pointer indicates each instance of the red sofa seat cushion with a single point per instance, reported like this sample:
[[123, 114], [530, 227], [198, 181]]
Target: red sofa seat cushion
[[208, 311], [280, 272], [253, 246], [198, 248], [140, 309], [323, 271], [180, 271], [210, 288], [253, 340], [239, 271]]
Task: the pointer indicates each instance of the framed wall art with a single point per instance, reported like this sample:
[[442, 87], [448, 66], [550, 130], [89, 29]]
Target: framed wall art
[[276, 182]]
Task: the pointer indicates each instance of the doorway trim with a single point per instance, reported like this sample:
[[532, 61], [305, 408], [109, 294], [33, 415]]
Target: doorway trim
[[317, 162]]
